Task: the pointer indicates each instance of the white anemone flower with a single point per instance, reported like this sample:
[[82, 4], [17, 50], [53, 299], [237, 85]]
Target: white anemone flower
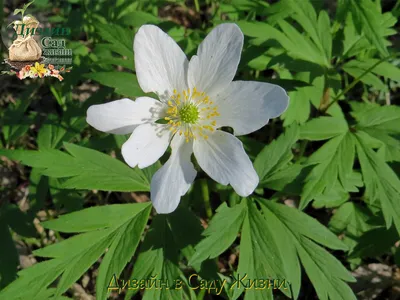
[[196, 98]]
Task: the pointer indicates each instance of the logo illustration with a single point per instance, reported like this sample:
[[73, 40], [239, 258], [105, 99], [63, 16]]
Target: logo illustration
[[35, 51]]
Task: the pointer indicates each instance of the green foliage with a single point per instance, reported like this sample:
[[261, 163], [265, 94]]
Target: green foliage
[[331, 159], [83, 168], [119, 230]]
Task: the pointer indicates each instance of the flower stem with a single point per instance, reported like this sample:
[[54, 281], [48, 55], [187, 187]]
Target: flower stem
[[196, 4], [350, 86], [206, 196]]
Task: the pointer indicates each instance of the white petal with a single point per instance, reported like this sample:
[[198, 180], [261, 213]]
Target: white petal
[[223, 158], [161, 66], [146, 145], [246, 106], [174, 178], [217, 60], [122, 116]]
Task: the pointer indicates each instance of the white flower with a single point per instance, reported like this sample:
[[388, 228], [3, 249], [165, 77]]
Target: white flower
[[196, 98]]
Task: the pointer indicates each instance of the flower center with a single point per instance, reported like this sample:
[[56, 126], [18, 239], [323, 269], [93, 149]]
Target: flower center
[[191, 113]]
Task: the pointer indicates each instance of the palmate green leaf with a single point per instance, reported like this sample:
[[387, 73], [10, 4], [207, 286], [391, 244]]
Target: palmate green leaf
[[381, 182], [159, 255], [352, 218], [334, 197], [297, 235], [288, 180], [297, 45], [187, 233], [72, 257], [276, 156], [323, 128], [53, 132], [355, 71], [14, 122], [384, 68], [305, 15], [121, 38], [124, 83], [367, 19], [384, 118], [221, 232], [381, 124], [333, 161], [120, 252], [83, 168], [260, 256], [353, 42], [300, 101], [350, 221], [256, 248]]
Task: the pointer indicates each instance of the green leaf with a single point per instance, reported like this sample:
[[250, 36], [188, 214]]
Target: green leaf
[[300, 46], [296, 44], [381, 182], [295, 233], [83, 168], [381, 125], [159, 259], [289, 179], [324, 33], [220, 234], [305, 15], [384, 68], [353, 43], [385, 118], [352, 218], [259, 253], [139, 18], [334, 163], [332, 198], [121, 38], [275, 156], [300, 100], [124, 83], [369, 78], [320, 268], [72, 257], [9, 259], [375, 242], [367, 20], [187, 233], [54, 132], [323, 128], [14, 122], [121, 250], [95, 218]]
